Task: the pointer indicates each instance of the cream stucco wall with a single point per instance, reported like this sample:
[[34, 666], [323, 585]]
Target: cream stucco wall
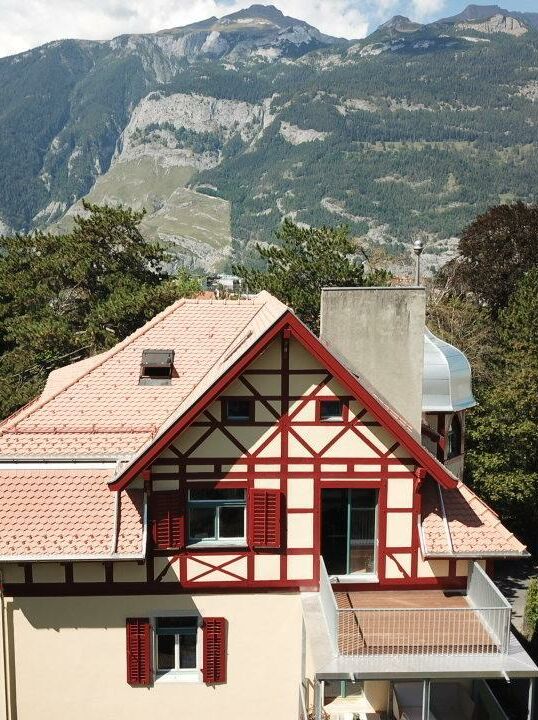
[[70, 659]]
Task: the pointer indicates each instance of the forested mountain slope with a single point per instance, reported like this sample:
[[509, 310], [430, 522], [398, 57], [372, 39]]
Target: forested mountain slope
[[222, 128]]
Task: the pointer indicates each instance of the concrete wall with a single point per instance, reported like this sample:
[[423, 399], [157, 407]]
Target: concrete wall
[[380, 334], [69, 659]]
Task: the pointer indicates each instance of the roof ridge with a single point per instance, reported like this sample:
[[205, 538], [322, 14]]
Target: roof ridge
[[108, 354]]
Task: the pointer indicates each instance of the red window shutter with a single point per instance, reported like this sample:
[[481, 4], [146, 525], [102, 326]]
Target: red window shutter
[[139, 651], [214, 668], [265, 510], [168, 520]]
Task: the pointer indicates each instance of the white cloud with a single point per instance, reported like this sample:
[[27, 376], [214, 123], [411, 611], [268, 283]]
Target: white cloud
[[28, 23], [425, 9]]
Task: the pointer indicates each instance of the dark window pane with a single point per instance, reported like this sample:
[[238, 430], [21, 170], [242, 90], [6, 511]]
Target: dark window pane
[[362, 531], [177, 623], [165, 652], [187, 651], [209, 494], [232, 522], [334, 530], [330, 409], [454, 438], [202, 523], [239, 410]]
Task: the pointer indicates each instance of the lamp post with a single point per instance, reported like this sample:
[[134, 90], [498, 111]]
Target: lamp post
[[418, 247]]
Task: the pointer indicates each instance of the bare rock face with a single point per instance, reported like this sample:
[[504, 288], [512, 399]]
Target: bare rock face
[[497, 24]]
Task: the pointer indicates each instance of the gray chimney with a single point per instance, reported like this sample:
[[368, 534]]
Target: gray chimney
[[379, 333]]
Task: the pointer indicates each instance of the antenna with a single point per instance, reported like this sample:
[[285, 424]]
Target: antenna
[[418, 247]]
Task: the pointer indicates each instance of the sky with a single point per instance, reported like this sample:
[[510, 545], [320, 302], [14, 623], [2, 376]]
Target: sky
[[28, 23]]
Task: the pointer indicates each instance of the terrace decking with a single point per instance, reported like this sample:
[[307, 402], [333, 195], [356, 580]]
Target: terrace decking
[[411, 622]]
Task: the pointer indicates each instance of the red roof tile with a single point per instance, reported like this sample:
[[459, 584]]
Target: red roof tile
[[458, 522], [97, 407], [67, 513]]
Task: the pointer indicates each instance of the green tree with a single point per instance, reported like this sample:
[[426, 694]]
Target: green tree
[[65, 297], [503, 430], [306, 260], [496, 250]]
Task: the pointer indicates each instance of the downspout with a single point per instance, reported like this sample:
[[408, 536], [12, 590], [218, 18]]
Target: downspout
[[4, 648]]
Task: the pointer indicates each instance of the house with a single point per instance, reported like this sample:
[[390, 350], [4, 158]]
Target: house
[[224, 516]]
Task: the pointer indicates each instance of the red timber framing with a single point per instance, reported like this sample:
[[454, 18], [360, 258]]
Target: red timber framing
[[175, 462]]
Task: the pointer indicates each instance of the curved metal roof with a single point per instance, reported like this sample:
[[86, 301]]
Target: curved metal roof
[[446, 382]]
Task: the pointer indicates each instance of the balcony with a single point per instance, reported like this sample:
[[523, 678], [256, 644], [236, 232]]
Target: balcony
[[418, 623]]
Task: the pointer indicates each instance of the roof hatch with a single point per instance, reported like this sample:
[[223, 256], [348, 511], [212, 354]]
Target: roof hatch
[[156, 367]]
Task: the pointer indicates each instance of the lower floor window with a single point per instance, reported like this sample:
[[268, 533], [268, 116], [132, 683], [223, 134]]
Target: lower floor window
[[176, 639]]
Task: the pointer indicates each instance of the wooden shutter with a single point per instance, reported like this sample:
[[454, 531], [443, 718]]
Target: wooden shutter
[[168, 519], [214, 633], [139, 651], [264, 518]]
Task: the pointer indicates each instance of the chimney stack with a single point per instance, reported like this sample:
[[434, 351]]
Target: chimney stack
[[379, 333]]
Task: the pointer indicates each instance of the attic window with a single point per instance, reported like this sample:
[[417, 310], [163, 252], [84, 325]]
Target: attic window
[[330, 410], [156, 367]]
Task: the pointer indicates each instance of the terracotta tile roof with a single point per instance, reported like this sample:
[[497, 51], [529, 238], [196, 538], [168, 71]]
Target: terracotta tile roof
[[50, 513], [97, 407], [458, 522]]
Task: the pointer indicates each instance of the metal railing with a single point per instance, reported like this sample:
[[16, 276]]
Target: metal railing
[[494, 609], [481, 628], [329, 606]]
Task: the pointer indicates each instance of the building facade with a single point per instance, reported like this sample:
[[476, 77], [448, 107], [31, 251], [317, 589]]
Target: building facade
[[222, 516]]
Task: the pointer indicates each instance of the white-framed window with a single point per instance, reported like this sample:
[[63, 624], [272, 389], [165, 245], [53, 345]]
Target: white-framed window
[[217, 516], [177, 653]]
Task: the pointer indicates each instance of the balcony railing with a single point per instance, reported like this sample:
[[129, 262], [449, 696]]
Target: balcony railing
[[479, 625]]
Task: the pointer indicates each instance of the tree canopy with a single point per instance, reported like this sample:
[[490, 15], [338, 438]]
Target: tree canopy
[[306, 260], [503, 431], [65, 297], [496, 250]]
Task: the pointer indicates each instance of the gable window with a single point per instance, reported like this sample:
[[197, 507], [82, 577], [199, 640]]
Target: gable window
[[238, 410], [454, 438], [176, 647], [217, 516], [156, 367], [331, 410]]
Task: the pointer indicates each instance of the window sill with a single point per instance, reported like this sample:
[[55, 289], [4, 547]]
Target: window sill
[[354, 578], [217, 544], [179, 676]]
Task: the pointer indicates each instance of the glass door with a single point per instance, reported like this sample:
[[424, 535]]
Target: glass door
[[349, 531]]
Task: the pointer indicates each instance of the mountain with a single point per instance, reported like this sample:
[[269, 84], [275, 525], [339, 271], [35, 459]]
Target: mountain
[[222, 128]]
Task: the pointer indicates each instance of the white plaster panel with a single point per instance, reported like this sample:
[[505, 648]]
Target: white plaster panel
[[267, 567], [400, 493], [300, 530], [300, 493], [301, 359], [399, 529], [48, 573], [398, 566], [129, 572], [88, 572], [267, 483], [300, 567]]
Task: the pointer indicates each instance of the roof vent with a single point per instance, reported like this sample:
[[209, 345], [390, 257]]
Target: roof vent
[[156, 367]]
